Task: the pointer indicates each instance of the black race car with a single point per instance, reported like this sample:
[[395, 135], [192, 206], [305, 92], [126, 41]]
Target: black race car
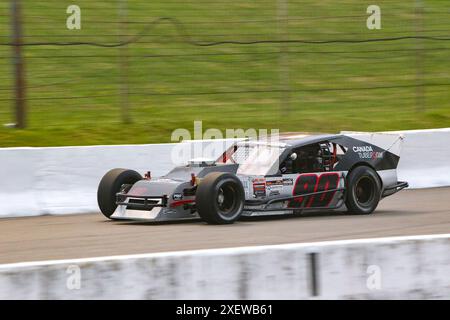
[[294, 174]]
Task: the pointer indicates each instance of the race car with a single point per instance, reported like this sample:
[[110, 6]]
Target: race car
[[294, 174]]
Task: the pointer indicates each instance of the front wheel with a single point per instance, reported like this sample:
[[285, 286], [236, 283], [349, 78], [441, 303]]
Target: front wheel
[[220, 198], [110, 185], [363, 190]]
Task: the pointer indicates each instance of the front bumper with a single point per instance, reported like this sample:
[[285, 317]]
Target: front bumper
[[140, 202], [149, 208]]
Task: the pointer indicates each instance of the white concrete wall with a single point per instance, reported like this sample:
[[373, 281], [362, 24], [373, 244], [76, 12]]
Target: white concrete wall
[[37, 181], [408, 268], [425, 158]]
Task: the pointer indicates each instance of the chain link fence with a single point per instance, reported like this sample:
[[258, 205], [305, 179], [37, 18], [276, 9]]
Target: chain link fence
[[296, 65]]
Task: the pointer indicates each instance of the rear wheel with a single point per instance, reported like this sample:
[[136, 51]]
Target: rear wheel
[[363, 190], [220, 198], [110, 184]]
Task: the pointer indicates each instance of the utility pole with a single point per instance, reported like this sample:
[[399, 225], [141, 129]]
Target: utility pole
[[20, 106], [283, 61], [123, 62]]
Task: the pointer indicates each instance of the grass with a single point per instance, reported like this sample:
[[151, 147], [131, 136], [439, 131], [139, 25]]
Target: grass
[[74, 91]]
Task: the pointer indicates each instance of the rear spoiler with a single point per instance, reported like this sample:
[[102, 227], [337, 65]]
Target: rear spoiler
[[391, 142]]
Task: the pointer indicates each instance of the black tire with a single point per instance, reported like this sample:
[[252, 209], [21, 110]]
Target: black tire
[[363, 190], [220, 198], [110, 185]]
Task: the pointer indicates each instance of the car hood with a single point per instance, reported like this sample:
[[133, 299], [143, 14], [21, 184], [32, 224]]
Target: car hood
[[156, 187]]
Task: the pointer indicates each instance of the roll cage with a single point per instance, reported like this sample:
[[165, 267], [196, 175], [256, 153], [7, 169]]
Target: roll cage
[[319, 156]]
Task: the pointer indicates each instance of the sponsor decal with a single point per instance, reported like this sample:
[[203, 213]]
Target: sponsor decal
[[177, 196], [259, 190], [274, 183], [274, 187], [366, 152], [362, 149], [259, 187]]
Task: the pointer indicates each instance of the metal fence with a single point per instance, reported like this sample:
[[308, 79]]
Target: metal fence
[[165, 60]]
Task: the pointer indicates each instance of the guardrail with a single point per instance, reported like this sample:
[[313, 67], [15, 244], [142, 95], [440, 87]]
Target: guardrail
[[415, 267], [37, 181]]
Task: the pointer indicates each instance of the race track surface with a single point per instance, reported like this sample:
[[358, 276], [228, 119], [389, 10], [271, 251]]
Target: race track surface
[[410, 212]]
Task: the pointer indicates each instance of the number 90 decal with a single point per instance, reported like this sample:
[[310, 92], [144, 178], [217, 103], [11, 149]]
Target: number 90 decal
[[310, 183]]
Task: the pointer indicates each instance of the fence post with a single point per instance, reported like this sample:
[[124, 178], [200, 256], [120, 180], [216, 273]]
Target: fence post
[[283, 61], [420, 72], [123, 63], [19, 86]]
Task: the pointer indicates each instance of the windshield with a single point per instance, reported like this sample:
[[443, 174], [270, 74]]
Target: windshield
[[255, 158]]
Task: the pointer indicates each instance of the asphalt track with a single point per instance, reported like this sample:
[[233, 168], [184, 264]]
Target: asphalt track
[[410, 212]]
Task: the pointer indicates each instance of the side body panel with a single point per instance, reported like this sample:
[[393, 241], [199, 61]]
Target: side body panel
[[361, 152], [283, 194]]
